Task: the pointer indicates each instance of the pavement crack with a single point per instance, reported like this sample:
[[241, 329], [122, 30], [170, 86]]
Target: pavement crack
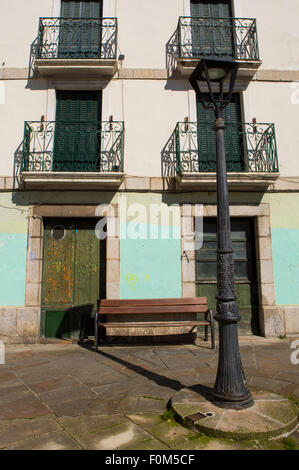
[[147, 432], [220, 419], [268, 417]]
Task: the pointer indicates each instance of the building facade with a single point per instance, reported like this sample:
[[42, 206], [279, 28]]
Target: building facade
[[101, 131]]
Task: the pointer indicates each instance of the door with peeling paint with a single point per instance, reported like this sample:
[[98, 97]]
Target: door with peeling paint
[[71, 276]]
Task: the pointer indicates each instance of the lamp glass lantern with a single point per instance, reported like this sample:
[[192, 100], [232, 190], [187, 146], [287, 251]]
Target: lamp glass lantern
[[215, 73]]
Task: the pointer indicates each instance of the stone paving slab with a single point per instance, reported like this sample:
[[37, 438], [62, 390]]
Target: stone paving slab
[[23, 408], [64, 394], [118, 437], [54, 441], [18, 430], [89, 424]]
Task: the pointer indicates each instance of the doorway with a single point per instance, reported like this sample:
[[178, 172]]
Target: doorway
[[73, 277], [243, 241]]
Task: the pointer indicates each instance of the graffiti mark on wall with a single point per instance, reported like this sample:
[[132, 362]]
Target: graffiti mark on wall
[[131, 279]]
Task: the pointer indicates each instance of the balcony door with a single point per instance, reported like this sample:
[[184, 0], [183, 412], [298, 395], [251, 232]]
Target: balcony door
[[212, 34], [80, 30], [77, 131], [233, 136]]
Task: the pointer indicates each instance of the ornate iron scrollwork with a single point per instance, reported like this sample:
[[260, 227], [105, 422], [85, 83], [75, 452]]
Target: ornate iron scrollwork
[[233, 37], [249, 147], [77, 38], [73, 146]]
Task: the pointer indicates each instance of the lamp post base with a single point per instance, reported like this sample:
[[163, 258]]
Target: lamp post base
[[193, 408], [233, 402]]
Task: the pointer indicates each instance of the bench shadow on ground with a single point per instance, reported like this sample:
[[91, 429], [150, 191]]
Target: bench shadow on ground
[[159, 379]]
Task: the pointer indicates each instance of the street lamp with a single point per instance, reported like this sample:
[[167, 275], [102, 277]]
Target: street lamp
[[230, 390]]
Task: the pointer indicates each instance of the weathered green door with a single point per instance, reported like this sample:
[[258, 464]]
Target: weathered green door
[[71, 276], [242, 232], [233, 136], [81, 37], [77, 131], [211, 36]]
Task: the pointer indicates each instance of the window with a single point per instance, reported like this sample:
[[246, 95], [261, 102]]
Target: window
[[233, 136]]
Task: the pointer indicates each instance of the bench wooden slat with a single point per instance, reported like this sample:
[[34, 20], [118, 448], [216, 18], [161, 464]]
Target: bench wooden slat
[[153, 309], [147, 302], [146, 324]]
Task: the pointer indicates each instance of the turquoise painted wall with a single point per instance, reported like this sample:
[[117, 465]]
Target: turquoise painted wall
[[150, 267], [12, 268], [285, 245], [13, 250]]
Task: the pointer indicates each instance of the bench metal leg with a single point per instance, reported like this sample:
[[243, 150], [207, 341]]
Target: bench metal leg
[[96, 332], [206, 327], [212, 325]]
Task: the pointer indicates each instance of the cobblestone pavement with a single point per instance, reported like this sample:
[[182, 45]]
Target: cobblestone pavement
[[65, 396]]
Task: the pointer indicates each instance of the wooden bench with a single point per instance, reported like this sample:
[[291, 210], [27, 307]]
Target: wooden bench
[[153, 306]]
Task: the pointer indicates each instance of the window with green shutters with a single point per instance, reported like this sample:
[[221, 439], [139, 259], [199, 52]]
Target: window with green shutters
[[77, 131], [233, 136], [211, 28], [80, 31]]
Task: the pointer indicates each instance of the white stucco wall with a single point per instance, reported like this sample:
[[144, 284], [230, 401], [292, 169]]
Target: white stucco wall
[[19, 28], [145, 28], [272, 102], [151, 110], [278, 33], [21, 104]]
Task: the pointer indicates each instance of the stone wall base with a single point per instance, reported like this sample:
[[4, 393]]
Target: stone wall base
[[279, 320], [291, 316], [19, 325]]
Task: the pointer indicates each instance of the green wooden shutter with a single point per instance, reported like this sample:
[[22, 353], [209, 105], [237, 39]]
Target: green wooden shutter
[[77, 133], [81, 8], [232, 136], [81, 37], [212, 36]]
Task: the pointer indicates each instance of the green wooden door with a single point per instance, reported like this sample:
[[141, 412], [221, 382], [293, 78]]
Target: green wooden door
[[77, 131], [243, 241], [71, 276], [232, 135], [212, 35], [81, 37]]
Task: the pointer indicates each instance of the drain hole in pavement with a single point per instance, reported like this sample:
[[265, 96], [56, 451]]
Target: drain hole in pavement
[[197, 416]]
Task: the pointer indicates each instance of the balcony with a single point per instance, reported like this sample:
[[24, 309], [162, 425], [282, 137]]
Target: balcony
[[234, 38], [77, 47], [251, 155], [72, 155]]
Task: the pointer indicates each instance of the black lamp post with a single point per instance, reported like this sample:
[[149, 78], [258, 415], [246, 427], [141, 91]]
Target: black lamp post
[[230, 389]]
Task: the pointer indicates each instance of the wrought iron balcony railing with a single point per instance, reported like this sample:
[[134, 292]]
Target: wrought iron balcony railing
[[249, 147], [217, 37], [77, 38], [73, 146]]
